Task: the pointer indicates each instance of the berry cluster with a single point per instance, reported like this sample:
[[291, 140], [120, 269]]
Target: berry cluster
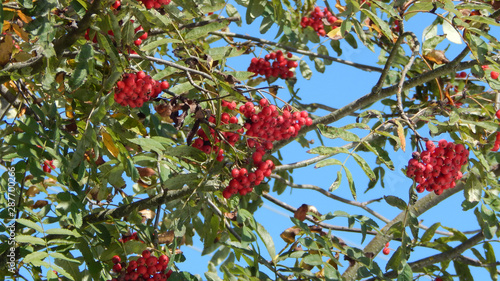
[[147, 268], [280, 67], [261, 129], [315, 20], [439, 167], [496, 146], [386, 249], [142, 35], [48, 166], [264, 124], [156, 4], [129, 237], [137, 88], [462, 74]]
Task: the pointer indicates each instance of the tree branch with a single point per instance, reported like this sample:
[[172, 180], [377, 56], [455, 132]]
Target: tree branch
[[146, 203], [362, 205], [311, 219], [370, 98], [447, 255], [298, 51]]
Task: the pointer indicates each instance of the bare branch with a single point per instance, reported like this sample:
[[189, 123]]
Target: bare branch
[[447, 255], [298, 51], [362, 205], [311, 219], [370, 98]]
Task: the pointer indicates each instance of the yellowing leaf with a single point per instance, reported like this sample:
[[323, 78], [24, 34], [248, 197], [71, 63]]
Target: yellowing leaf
[[23, 17], [32, 191], [20, 32], [289, 234], [6, 49], [436, 56], [110, 145], [147, 214], [6, 26], [401, 135], [334, 34], [339, 6]]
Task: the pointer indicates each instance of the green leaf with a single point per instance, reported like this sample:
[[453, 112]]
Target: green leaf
[[325, 150], [333, 133], [30, 239], [57, 255], [366, 168], [178, 181], [188, 152], [267, 239], [337, 182], [327, 162], [319, 65], [384, 26], [395, 260], [82, 67], [382, 155], [429, 233], [491, 259], [255, 9], [30, 224], [35, 257], [351, 182], [396, 202], [305, 70], [202, 31], [335, 44], [158, 43], [406, 274], [149, 144], [451, 33], [463, 271], [431, 43], [313, 259], [62, 271]]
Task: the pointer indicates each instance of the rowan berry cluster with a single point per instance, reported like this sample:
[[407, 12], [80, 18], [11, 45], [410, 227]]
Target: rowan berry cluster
[[242, 181], [145, 268], [48, 166], [438, 168], [137, 88], [156, 4], [315, 20], [280, 67], [264, 124], [139, 32], [496, 146], [127, 238]]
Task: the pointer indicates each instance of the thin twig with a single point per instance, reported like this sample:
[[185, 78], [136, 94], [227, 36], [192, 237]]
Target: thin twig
[[444, 256], [362, 205], [370, 98], [415, 51], [298, 51], [311, 219]]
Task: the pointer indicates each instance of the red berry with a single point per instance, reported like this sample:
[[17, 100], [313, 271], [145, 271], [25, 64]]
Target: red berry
[[494, 75], [116, 259], [117, 267], [386, 251], [498, 114], [146, 254]]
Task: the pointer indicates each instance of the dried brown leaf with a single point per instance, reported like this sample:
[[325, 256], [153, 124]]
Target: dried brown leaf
[[289, 234]]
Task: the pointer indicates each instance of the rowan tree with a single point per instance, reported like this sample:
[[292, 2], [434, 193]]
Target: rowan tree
[[130, 128]]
